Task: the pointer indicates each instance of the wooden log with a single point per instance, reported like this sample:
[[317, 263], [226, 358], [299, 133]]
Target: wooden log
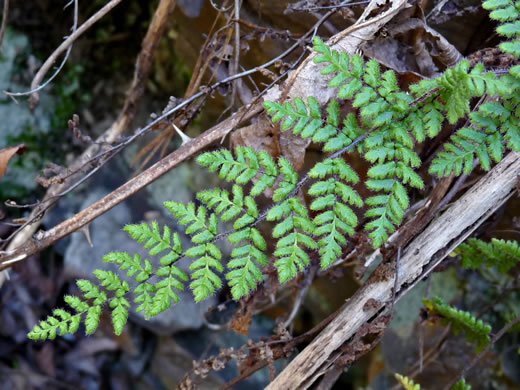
[[418, 259]]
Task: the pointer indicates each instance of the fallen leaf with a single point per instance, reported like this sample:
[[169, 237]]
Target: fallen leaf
[[7, 154], [242, 319], [303, 82], [409, 45]]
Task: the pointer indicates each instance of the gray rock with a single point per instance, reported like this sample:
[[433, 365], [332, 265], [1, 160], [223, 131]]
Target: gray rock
[[17, 118], [191, 8]]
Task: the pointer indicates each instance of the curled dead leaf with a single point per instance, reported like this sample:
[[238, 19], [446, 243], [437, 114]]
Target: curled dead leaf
[[242, 319], [7, 154]]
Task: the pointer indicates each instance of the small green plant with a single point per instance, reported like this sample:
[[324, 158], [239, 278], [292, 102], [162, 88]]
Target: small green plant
[[498, 253], [460, 320], [409, 384], [390, 124]]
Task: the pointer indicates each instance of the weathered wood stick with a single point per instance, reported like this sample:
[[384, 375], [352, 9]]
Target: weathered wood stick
[[418, 259]]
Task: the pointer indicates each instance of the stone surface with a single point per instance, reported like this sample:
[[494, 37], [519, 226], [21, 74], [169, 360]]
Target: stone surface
[[17, 119]]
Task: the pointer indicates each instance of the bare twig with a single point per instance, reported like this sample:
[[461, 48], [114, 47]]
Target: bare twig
[[142, 68], [346, 3], [143, 63], [236, 62], [5, 15], [58, 70], [35, 98], [477, 358], [307, 282]]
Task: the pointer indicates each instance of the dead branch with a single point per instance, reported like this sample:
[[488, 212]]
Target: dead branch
[[35, 96], [5, 15], [135, 92], [84, 217], [143, 64], [419, 258]]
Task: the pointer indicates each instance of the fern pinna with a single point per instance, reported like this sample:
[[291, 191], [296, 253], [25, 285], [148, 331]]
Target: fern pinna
[[389, 124], [460, 320], [409, 384]]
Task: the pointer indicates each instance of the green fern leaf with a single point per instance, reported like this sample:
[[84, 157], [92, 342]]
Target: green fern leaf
[[476, 330], [294, 235], [502, 254], [288, 183], [119, 306], [407, 383], [134, 266], [241, 169], [494, 4], [92, 319], [461, 385]]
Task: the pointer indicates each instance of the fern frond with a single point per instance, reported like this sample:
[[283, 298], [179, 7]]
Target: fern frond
[[154, 299], [208, 255], [498, 253], [506, 11], [61, 321], [65, 323], [493, 125], [205, 280], [350, 131], [332, 199], [244, 274], [407, 383], [156, 242], [288, 182], [133, 265], [395, 163], [247, 165], [461, 385], [303, 119], [476, 330], [119, 304], [219, 200], [294, 233]]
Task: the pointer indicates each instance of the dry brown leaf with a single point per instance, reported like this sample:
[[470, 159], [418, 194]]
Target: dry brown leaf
[[242, 319], [305, 81], [7, 154], [410, 45], [260, 136]]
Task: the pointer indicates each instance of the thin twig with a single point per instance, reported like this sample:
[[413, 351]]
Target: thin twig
[[58, 70], [5, 15], [36, 216], [65, 45], [236, 83], [477, 358], [87, 215], [307, 282], [346, 3]]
